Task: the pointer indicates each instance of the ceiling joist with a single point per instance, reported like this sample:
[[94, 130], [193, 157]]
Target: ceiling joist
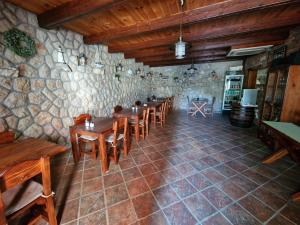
[[213, 11]]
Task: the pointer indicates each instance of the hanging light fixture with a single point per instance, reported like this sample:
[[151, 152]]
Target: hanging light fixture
[[180, 46]]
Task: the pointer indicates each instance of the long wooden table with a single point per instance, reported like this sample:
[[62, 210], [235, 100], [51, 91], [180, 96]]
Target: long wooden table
[[287, 140], [102, 128], [134, 115], [29, 149]]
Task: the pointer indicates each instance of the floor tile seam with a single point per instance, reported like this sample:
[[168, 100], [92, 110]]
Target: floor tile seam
[[129, 197], [157, 202]]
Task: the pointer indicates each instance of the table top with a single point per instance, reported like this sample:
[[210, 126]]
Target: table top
[[154, 104], [101, 125], [28, 149], [129, 113], [288, 129]]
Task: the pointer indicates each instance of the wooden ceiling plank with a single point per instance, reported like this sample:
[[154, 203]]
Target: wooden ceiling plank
[[74, 10], [213, 11]]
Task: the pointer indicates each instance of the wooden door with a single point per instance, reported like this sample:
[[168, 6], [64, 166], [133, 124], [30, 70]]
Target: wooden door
[[291, 103]]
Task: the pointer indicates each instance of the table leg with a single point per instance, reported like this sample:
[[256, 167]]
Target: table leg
[[296, 197], [73, 141], [154, 117], [102, 153], [275, 156], [137, 130]]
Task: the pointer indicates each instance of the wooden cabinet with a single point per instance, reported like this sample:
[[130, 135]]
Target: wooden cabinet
[[282, 95]]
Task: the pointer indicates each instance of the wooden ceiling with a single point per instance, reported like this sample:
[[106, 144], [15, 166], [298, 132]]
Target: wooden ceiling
[[147, 29]]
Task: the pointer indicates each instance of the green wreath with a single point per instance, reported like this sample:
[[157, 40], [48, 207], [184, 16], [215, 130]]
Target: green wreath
[[19, 42]]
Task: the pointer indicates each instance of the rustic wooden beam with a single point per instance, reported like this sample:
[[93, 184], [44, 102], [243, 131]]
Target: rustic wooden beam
[[73, 10], [212, 11], [275, 37], [230, 26], [195, 55], [175, 63]]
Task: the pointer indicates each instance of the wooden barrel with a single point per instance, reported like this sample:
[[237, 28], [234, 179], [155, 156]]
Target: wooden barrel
[[242, 116]]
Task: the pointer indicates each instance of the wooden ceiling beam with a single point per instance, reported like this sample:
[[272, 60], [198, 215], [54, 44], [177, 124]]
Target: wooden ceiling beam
[[276, 37], [187, 62], [213, 11], [73, 10], [195, 55], [275, 19]]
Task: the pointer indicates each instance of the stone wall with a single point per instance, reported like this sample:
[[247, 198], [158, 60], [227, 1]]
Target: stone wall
[[39, 97], [202, 85]]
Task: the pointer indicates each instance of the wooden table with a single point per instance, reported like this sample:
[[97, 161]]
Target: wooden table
[[287, 139], [29, 149], [153, 106], [199, 107], [132, 115], [102, 128]]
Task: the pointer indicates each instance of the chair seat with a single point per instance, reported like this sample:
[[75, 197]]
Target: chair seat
[[141, 122], [110, 138], [21, 195], [89, 138]]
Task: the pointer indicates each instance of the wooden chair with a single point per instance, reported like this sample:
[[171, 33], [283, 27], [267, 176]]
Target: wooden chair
[[209, 108], [160, 114], [190, 107], [7, 137], [20, 194], [143, 123], [138, 103], [119, 126], [85, 139], [118, 108]]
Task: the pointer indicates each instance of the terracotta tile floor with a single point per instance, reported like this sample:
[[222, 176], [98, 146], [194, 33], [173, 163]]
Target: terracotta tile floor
[[192, 171]]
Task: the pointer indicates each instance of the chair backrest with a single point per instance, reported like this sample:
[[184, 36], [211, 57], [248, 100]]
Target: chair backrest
[[7, 137], [21, 173], [81, 118], [138, 103], [118, 108], [188, 99], [118, 125], [213, 100]]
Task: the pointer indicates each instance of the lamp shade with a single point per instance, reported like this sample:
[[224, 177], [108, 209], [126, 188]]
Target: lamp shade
[[180, 49]]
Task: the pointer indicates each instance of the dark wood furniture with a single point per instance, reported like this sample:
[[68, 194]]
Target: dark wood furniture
[[7, 137], [281, 94], [154, 106], [83, 140], [287, 142], [102, 128], [134, 115], [242, 116], [160, 115], [119, 126], [143, 123], [19, 162], [209, 108]]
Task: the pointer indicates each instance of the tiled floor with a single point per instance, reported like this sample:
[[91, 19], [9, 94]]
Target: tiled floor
[[199, 171]]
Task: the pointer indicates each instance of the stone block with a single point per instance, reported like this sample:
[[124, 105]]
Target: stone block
[[34, 131], [22, 85], [15, 99]]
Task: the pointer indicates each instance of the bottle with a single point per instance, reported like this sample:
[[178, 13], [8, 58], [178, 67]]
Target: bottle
[[87, 123]]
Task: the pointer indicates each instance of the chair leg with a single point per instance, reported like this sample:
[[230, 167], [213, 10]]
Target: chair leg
[[94, 156], [51, 211], [81, 148], [115, 152], [125, 147], [143, 132], [147, 128]]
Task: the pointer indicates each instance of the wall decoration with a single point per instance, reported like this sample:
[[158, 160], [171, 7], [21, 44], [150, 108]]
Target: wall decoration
[[118, 76], [61, 58], [138, 71], [20, 43], [119, 67], [82, 59]]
